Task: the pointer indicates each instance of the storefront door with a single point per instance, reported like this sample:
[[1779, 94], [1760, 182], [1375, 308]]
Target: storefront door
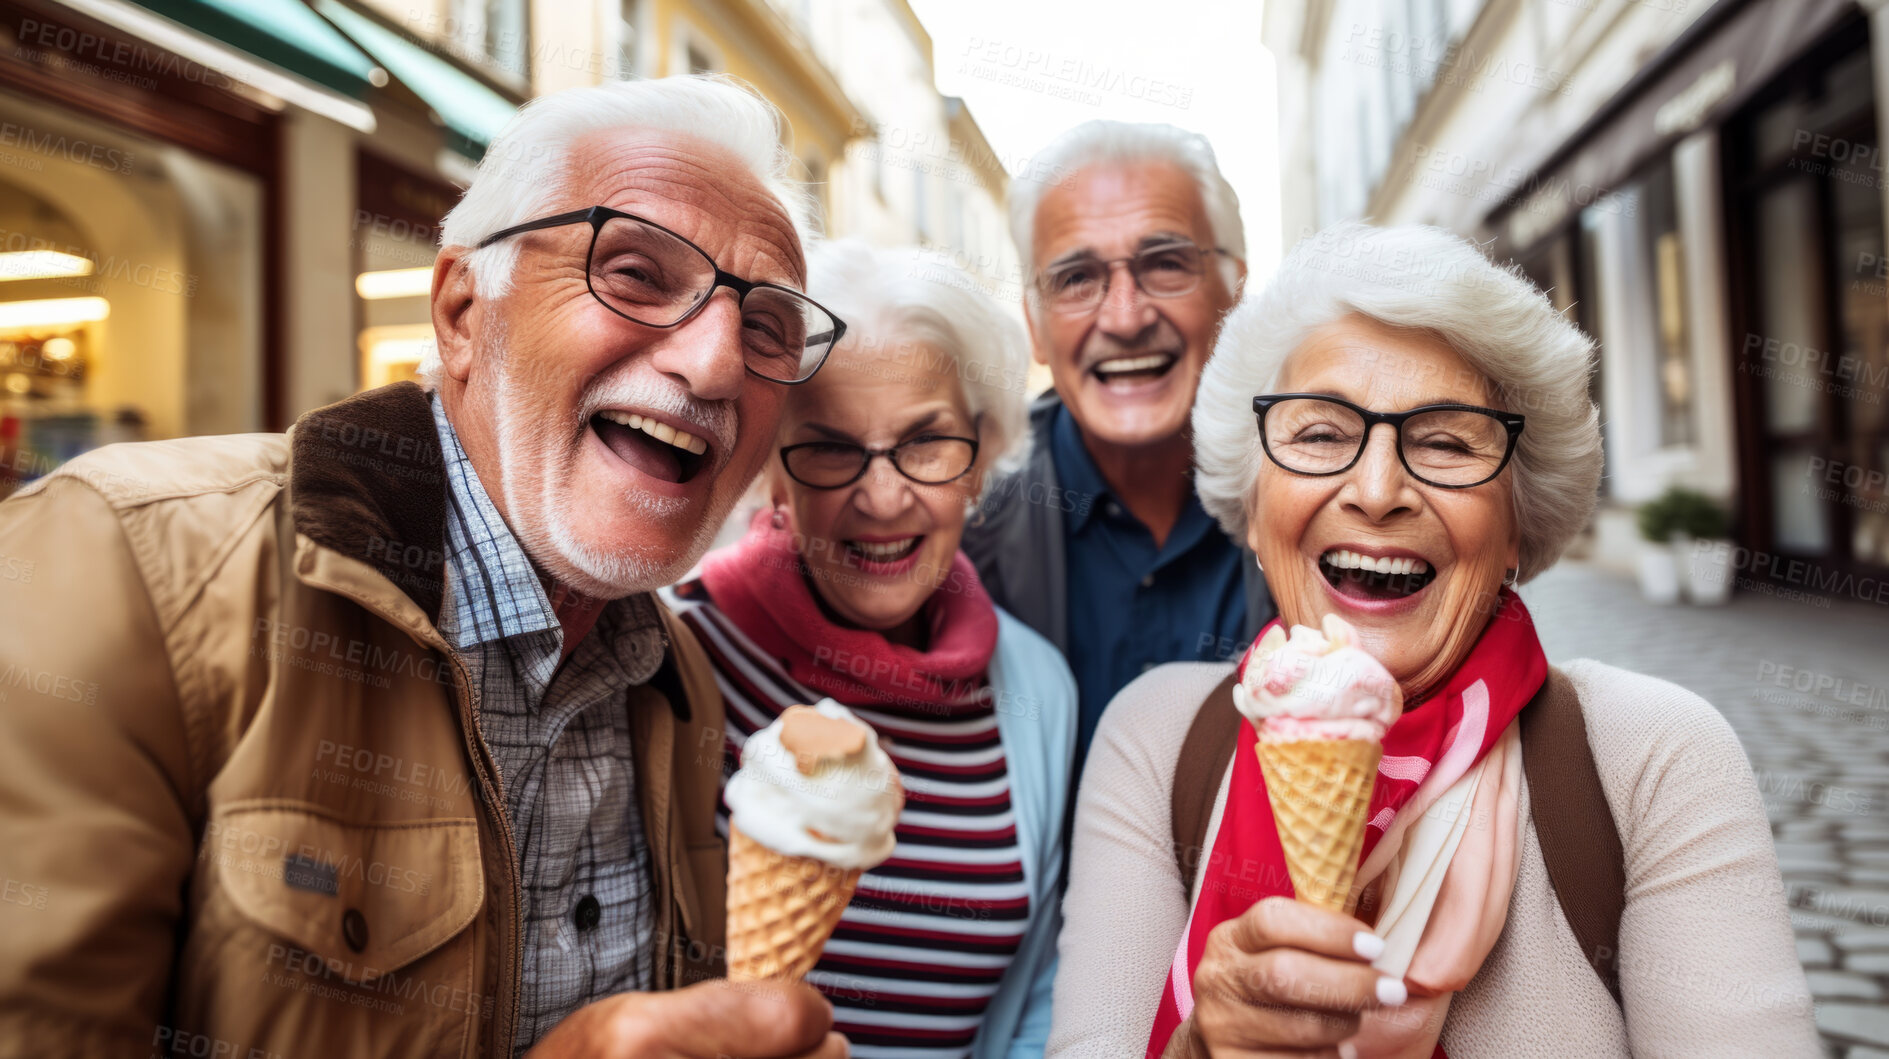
[[1814, 349]]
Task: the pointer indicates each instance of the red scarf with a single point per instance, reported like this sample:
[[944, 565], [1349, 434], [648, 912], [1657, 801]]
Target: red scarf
[[760, 583], [1455, 726]]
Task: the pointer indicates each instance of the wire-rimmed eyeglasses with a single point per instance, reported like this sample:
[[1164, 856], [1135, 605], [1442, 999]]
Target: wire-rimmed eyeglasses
[[649, 275], [1164, 270]]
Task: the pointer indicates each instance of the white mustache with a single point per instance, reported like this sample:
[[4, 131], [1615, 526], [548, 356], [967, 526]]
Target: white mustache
[[714, 420]]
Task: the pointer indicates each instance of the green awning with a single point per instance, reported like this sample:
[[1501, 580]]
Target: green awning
[[283, 32], [472, 113]]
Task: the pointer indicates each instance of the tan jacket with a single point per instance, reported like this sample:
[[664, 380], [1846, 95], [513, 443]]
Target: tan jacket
[[244, 806]]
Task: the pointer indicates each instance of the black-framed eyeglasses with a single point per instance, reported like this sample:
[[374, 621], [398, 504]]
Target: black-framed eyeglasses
[[1452, 446], [1165, 270], [649, 275], [929, 459]]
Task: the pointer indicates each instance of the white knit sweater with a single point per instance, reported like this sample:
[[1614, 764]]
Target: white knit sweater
[[1708, 964]]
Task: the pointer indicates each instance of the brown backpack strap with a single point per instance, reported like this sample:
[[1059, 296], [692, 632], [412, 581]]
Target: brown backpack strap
[[1579, 843], [1204, 756]]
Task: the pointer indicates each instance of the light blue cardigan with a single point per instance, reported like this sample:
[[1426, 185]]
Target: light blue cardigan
[[1036, 719]]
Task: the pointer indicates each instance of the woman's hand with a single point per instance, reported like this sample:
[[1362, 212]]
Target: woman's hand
[[1286, 978]]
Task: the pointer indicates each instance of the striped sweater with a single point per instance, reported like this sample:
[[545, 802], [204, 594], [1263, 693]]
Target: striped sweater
[[921, 948]]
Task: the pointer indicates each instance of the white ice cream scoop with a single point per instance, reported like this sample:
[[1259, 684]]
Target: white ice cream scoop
[[816, 783]]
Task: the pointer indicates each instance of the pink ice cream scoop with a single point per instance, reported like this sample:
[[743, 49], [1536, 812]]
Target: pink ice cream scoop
[[1317, 685]]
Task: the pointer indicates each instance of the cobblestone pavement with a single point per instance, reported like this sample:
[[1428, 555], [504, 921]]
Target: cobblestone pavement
[[1807, 688]]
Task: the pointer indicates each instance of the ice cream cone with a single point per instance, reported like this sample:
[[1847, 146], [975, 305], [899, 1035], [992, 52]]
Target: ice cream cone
[[1320, 791], [781, 910]]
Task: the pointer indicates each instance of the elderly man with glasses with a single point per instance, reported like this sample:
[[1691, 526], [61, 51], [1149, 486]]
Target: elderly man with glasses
[[1133, 254], [372, 739]]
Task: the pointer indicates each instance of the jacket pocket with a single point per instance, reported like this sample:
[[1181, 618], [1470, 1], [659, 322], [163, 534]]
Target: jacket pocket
[[365, 898]]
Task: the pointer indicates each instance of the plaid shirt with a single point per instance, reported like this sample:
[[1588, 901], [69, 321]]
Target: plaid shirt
[[561, 739]]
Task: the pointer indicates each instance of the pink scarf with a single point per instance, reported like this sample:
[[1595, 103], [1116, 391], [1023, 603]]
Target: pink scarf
[[760, 583], [1438, 740]]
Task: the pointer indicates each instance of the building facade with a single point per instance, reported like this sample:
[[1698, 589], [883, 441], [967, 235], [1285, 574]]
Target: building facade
[[216, 215], [202, 204], [1700, 186]]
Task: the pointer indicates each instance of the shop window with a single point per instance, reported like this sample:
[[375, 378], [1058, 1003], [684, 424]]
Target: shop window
[[130, 293], [396, 240], [1648, 315], [1562, 265], [497, 30], [1807, 197], [629, 39], [1587, 310], [1550, 267], [1671, 360], [1861, 378]]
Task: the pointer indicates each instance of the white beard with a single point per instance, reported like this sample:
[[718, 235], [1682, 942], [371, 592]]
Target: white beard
[[541, 522]]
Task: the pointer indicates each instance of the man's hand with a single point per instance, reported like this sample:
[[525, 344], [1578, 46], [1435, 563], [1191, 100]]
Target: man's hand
[[750, 1020], [1285, 978]]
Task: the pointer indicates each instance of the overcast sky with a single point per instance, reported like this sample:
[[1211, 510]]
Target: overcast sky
[[1031, 68]]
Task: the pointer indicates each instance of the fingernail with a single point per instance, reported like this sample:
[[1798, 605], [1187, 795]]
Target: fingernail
[[1347, 1050], [1367, 944], [1391, 992]]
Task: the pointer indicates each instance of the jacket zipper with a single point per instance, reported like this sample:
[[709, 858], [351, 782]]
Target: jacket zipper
[[495, 806], [486, 768]]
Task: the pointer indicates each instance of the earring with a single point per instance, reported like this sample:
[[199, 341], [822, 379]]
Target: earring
[[1508, 576], [1257, 565], [779, 519]]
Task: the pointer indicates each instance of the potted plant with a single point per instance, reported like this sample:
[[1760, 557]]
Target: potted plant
[[1659, 562], [1702, 525]]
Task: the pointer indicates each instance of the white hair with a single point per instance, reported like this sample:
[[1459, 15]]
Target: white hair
[[1427, 279], [893, 300], [1119, 143], [526, 172]]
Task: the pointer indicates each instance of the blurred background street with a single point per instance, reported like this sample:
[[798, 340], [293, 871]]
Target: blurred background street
[[1807, 689], [216, 215]]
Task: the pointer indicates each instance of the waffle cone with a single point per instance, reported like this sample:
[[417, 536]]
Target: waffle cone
[[1320, 790], [781, 910]]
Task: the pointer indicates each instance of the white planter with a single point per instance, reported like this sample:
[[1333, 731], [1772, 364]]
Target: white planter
[[1659, 573], [1709, 574]]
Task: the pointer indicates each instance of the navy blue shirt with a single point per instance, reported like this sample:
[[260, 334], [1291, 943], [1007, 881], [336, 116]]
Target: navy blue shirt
[[1133, 606]]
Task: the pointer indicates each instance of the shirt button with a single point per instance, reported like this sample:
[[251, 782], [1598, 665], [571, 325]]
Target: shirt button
[[354, 929], [1114, 509], [588, 913], [1148, 582], [1145, 666]]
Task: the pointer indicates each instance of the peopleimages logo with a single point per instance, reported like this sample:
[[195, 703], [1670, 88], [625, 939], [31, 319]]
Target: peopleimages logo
[[51, 685], [109, 267], [54, 145], [116, 57], [1800, 572], [1823, 685]]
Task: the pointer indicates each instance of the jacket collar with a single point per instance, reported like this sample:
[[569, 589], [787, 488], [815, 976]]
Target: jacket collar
[[367, 480]]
